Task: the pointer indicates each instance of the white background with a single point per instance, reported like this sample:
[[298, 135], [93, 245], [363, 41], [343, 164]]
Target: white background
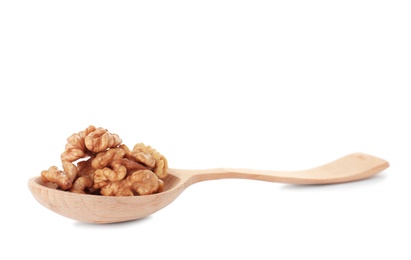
[[280, 85]]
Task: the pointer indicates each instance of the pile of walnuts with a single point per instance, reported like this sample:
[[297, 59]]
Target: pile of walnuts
[[96, 162]]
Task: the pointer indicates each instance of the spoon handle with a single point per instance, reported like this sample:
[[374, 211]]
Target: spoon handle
[[349, 168]]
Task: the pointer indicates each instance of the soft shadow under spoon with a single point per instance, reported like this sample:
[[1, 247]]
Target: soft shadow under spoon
[[107, 209]]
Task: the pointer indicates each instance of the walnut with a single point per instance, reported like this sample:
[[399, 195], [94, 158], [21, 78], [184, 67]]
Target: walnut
[[75, 147], [100, 139], [142, 182], [70, 170], [85, 168], [63, 179], [160, 186], [127, 151], [54, 175], [137, 160], [109, 167], [102, 159], [145, 159], [81, 184], [74, 150], [103, 176], [160, 166], [131, 165]]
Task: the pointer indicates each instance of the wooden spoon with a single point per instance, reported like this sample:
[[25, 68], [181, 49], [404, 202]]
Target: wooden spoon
[[110, 209]]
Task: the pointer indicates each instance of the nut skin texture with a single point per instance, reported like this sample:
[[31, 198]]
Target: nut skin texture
[[81, 184], [70, 170], [104, 158], [85, 168], [160, 186], [142, 182], [54, 175], [108, 167], [75, 147], [160, 166], [145, 159], [100, 139], [130, 164], [74, 150], [106, 175]]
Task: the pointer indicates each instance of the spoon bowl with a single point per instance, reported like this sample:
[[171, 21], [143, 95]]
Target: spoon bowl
[[111, 209]]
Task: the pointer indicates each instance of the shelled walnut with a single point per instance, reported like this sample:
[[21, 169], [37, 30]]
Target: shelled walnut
[[96, 162]]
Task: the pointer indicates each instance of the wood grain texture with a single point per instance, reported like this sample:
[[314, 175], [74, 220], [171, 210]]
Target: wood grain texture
[[109, 209]]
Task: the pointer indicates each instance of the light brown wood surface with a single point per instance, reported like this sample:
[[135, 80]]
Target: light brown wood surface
[[107, 209]]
